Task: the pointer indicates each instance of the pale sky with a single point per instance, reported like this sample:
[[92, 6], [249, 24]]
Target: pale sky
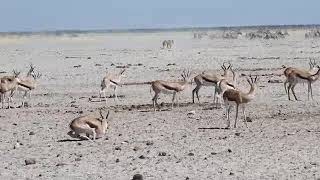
[[38, 15]]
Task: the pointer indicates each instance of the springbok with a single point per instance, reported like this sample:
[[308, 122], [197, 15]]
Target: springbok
[[204, 79], [111, 81], [160, 86], [312, 68], [85, 126], [298, 76], [8, 83], [167, 44], [30, 81], [237, 97]]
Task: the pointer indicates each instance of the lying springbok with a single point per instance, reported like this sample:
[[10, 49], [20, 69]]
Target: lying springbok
[[29, 82], [85, 126], [7, 84], [312, 68], [298, 76], [166, 87], [212, 80], [111, 81], [237, 97]]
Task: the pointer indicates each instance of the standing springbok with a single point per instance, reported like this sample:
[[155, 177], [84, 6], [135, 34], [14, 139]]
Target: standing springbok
[[29, 82], [8, 83], [212, 80], [237, 97], [167, 44], [312, 68], [111, 81], [166, 87], [298, 76], [86, 126]]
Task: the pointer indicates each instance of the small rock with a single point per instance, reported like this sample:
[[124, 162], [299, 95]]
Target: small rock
[[229, 150], [149, 143], [74, 105], [79, 144], [191, 113], [61, 164], [248, 119], [231, 173], [274, 81], [77, 66], [142, 157], [190, 154], [136, 148], [88, 57], [213, 153], [137, 177], [313, 163], [162, 154], [117, 160], [16, 146], [31, 133], [237, 134], [117, 148], [30, 161]]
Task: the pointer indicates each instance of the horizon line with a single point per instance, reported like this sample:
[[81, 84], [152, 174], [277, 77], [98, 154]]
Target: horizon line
[[160, 29]]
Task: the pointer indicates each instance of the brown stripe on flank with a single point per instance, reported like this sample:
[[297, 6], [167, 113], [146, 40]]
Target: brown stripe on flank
[[230, 85], [170, 88], [114, 82], [302, 77], [23, 85], [208, 80]]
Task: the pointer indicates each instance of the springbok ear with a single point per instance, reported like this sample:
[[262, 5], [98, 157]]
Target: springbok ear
[[229, 65]]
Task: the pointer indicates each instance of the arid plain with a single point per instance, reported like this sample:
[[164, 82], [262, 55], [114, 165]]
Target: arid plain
[[282, 141]]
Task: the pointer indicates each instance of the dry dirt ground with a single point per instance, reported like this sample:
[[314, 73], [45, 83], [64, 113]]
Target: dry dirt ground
[[282, 141]]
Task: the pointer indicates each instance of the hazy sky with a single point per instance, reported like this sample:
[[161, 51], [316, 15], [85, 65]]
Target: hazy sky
[[36, 15]]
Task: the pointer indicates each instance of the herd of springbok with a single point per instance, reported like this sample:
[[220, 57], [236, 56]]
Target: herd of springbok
[[10, 84], [225, 90]]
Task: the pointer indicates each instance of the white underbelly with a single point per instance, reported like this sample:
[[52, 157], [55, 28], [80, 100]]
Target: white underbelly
[[299, 80], [21, 88], [205, 83], [166, 91]]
